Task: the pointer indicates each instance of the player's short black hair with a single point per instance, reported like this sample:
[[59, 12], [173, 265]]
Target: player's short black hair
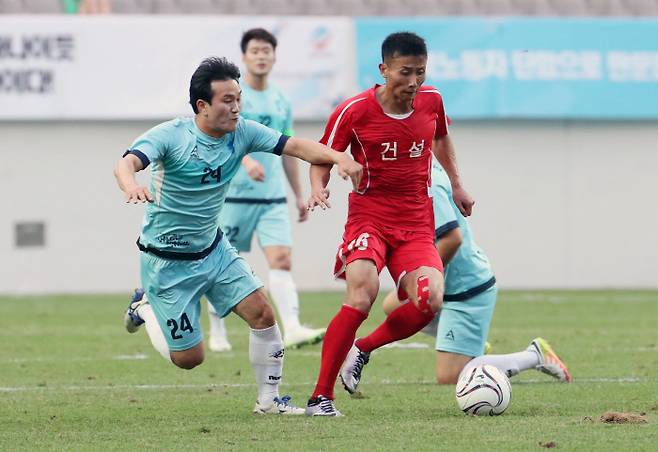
[[210, 69], [403, 43], [257, 33]]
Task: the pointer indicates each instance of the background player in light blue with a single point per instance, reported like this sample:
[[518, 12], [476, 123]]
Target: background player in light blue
[[184, 253], [462, 325], [256, 200]]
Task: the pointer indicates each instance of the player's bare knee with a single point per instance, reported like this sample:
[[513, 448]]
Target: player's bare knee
[[187, 360], [436, 301], [264, 314], [282, 262], [362, 298], [264, 318], [446, 378], [363, 295], [360, 301], [436, 290]]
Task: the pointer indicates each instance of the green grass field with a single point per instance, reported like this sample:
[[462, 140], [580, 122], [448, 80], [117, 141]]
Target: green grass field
[[73, 379]]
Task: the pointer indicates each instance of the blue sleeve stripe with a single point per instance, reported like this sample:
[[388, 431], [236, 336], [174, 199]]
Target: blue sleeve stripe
[[140, 155], [444, 229], [278, 149]]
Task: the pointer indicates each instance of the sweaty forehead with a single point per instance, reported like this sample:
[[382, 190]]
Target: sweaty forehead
[[412, 61], [221, 88]]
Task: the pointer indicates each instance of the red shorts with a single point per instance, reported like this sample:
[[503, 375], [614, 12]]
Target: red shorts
[[400, 251]]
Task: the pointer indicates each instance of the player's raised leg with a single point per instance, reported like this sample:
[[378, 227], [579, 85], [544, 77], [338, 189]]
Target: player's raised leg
[[140, 313], [426, 286], [362, 286]]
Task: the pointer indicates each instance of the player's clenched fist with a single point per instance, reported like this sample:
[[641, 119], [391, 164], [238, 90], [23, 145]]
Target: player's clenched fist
[[254, 169]]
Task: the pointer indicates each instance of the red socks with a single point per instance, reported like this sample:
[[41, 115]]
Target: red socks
[[402, 323], [336, 344]]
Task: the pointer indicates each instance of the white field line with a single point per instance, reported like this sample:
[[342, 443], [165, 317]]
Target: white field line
[[136, 357], [412, 346], [386, 382]]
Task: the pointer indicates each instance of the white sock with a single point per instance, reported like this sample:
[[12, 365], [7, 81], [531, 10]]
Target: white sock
[[154, 331], [266, 357], [217, 327], [284, 294], [511, 364]]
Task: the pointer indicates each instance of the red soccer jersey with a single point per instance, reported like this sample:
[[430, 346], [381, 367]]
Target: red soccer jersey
[[395, 152]]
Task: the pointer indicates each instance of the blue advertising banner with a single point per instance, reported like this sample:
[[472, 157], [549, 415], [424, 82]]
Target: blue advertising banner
[[529, 68]]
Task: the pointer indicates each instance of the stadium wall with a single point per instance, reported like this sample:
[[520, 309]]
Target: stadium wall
[[563, 201], [559, 205]]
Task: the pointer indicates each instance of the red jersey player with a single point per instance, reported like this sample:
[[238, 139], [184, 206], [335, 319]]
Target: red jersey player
[[391, 130]]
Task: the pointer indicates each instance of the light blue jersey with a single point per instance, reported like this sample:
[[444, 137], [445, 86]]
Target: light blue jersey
[[190, 175], [469, 272], [272, 109]]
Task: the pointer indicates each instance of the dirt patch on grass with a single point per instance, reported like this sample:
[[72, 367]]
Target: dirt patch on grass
[[548, 444], [616, 417]]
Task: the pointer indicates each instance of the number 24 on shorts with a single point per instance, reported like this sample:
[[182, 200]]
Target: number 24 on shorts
[[184, 325]]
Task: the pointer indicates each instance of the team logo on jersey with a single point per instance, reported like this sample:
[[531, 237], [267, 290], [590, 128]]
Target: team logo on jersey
[[195, 153], [450, 336]]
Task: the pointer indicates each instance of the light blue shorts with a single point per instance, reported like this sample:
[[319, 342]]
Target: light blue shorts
[[270, 222], [464, 325], [175, 287]]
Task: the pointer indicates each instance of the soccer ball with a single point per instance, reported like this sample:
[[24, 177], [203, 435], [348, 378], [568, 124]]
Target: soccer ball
[[483, 391]]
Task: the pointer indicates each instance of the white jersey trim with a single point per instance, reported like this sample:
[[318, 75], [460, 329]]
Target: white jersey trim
[[436, 91], [330, 141], [367, 168]]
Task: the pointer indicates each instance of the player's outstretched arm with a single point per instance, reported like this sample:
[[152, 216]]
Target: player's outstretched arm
[[445, 153], [124, 172], [317, 153]]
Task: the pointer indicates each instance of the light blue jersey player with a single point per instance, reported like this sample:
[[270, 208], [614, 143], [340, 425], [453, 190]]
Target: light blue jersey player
[[185, 255], [462, 326], [256, 203]]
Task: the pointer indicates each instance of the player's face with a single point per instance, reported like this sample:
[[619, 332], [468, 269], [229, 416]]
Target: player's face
[[259, 57], [404, 75], [222, 113]]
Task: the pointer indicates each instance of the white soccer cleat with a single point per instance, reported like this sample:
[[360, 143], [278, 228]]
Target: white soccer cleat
[[350, 373], [321, 406], [219, 344], [131, 319], [549, 362], [278, 406], [298, 337]]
